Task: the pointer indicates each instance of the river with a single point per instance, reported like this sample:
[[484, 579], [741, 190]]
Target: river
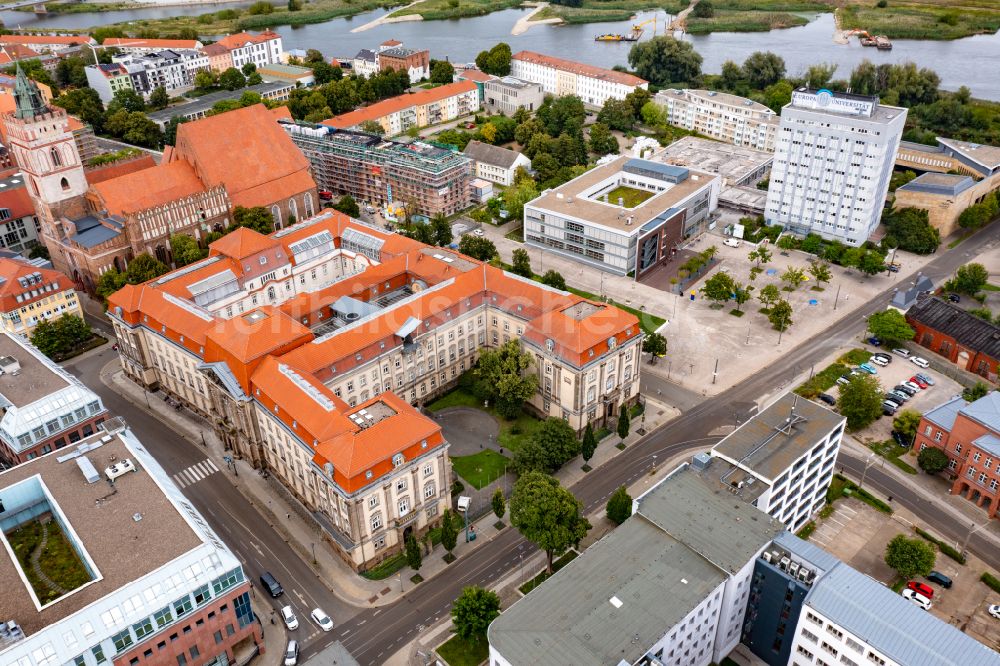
[[973, 61]]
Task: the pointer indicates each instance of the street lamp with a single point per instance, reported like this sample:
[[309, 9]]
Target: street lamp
[[972, 530], [868, 463]]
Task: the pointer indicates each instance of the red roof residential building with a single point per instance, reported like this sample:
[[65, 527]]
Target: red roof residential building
[[29, 295], [145, 44], [311, 350], [236, 50], [419, 109], [594, 85]]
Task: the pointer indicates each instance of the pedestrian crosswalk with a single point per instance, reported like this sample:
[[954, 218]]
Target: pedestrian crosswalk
[[195, 473]]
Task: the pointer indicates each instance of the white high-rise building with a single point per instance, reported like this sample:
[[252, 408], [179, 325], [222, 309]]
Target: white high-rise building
[[832, 164]]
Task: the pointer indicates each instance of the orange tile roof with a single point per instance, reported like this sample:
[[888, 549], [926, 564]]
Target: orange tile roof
[[67, 40], [215, 49], [580, 68], [575, 339], [146, 188], [398, 103], [241, 38], [242, 243], [143, 43], [271, 168], [245, 339], [10, 288], [475, 75], [281, 113], [391, 42], [12, 52], [105, 172], [17, 201]]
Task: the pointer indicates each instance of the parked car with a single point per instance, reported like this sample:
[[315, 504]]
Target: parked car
[[919, 362], [925, 378], [271, 584], [879, 361], [292, 653], [288, 615], [995, 611], [875, 342], [892, 400], [919, 382], [921, 588], [912, 386], [470, 125], [870, 369], [844, 380], [889, 408], [479, 232], [893, 268], [882, 355], [897, 394], [731, 242], [954, 298], [322, 619], [827, 398], [369, 209], [900, 439], [325, 195], [939, 578], [917, 598], [901, 352], [903, 388]]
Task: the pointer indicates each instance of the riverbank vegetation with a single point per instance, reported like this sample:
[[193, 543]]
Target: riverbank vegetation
[[921, 19], [437, 10], [750, 15]]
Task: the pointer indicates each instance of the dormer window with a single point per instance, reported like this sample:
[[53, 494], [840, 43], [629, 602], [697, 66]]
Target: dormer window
[[550, 344], [612, 342], [398, 460], [368, 474], [263, 260]]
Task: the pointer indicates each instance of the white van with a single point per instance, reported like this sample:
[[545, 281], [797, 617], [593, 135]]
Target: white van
[[731, 242]]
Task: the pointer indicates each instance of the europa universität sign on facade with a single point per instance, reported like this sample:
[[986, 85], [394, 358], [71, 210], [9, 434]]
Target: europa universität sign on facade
[[825, 100]]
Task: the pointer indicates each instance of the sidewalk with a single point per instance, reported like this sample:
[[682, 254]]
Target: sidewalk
[[931, 488], [293, 522]]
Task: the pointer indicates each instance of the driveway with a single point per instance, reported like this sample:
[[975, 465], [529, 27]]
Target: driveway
[[468, 430]]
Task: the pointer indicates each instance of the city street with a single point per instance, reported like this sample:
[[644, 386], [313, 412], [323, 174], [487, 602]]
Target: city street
[[373, 634]]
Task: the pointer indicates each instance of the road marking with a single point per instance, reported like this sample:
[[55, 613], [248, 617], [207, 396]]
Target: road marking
[[194, 473]]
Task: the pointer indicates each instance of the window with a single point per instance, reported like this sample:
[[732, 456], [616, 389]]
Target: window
[[377, 520], [429, 490], [404, 506], [400, 485], [226, 581], [373, 501], [218, 637], [182, 606], [398, 460], [201, 595], [143, 628], [122, 640], [428, 468]]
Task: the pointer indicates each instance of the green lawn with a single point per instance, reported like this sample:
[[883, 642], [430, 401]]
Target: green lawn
[[480, 469], [822, 380], [542, 577], [648, 322], [512, 432], [59, 561], [856, 357], [386, 567], [630, 196], [892, 452], [459, 652]]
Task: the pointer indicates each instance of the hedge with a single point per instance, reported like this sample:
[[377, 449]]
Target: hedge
[[944, 547], [991, 581]]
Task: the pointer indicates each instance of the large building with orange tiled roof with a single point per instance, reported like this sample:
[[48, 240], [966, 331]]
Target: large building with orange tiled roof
[[30, 294], [92, 225], [594, 85], [426, 107], [312, 349], [236, 50]]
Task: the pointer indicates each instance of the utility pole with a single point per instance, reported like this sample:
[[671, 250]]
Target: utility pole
[[837, 297], [715, 373], [972, 530], [864, 475]]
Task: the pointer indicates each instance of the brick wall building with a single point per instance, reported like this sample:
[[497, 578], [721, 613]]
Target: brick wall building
[[967, 341]]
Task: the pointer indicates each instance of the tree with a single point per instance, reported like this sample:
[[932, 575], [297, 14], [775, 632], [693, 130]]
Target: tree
[[158, 99], [719, 287], [144, 268], [205, 79], [552, 445], [499, 503], [665, 60], [703, 9], [521, 263], [906, 423], [761, 255], [619, 506], [763, 69], [589, 444], [294, 5], [348, 206], [516, 196], [871, 263], [624, 422], [442, 72], [821, 271], [504, 370], [413, 556], [860, 401], [55, 337], [85, 103], [970, 279], [977, 391], [473, 611], [442, 230], [109, 282], [547, 514], [890, 325], [449, 530], [488, 133], [741, 294], [554, 279], [372, 127], [910, 557], [912, 229], [655, 345], [769, 295], [617, 114], [794, 277], [933, 460], [477, 247], [232, 79], [780, 315], [257, 218], [496, 61], [134, 127], [324, 72], [185, 250], [126, 99], [602, 141]]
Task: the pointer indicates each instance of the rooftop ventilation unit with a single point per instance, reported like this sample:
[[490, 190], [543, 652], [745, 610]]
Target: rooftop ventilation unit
[[120, 468], [88, 469]]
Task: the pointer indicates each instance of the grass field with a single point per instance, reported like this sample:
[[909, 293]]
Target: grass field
[[922, 19], [630, 196], [435, 10], [744, 22], [480, 469], [459, 652], [544, 576]]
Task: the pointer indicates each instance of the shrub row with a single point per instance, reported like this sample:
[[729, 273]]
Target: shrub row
[[944, 547]]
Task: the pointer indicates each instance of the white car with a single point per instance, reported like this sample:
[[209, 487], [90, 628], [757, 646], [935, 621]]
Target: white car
[[995, 611], [292, 653], [731, 242], [919, 362], [288, 615], [917, 598], [878, 360], [901, 352], [479, 232], [322, 619], [912, 386]]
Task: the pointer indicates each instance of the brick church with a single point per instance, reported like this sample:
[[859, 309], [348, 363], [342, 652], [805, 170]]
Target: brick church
[[94, 220]]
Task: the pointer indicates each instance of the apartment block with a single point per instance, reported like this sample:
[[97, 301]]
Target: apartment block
[[781, 459], [969, 434], [833, 160], [626, 216], [18, 225], [419, 109], [721, 116], [145, 45], [170, 69], [30, 294], [495, 163], [508, 94], [593, 85], [261, 49], [311, 350], [385, 173], [417, 64], [179, 596], [107, 79]]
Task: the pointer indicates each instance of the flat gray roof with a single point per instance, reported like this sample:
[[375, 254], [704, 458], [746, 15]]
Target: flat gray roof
[[608, 605], [944, 415], [206, 102], [35, 379], [769, 443], [733, 163], [713, 522], [891, 624]]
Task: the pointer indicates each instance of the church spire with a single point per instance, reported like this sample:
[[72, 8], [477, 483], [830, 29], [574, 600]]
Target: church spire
[[27, 97]]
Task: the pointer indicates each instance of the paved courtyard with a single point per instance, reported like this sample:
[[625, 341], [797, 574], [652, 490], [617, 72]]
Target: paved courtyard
[[468, 430]]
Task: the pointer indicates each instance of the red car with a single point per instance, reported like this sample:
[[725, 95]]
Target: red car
[[325, 195], [921, 588], [919, 382]]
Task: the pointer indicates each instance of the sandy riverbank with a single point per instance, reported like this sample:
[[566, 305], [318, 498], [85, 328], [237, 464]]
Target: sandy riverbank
[[389, 18], [525, 23]]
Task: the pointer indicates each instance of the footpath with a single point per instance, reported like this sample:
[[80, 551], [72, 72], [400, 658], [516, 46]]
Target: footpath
[[296, 525]]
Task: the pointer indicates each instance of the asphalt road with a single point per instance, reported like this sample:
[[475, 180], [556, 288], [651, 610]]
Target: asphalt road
[[373, 634]]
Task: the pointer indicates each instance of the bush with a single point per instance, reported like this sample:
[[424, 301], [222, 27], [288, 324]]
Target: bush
[[260, 8], [991, 581], [932, 460], [945, 548]]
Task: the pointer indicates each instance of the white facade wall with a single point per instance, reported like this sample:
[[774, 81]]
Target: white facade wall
[[739, 125], [824, 643], [259, 53], [499, 174], [592, 91]]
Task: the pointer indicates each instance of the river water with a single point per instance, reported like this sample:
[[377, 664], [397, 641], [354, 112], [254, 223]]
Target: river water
[[973, 61]]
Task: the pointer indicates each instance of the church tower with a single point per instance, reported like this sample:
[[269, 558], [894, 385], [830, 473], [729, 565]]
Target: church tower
[[44, 149]]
